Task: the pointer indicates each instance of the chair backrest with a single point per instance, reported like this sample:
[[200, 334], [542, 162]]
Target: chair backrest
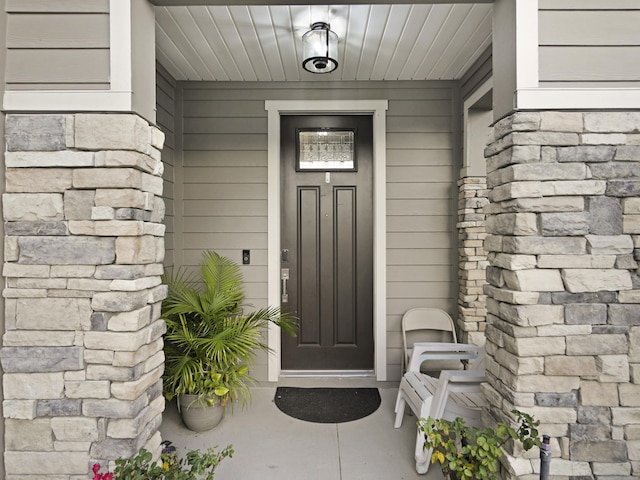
[[426, 325]]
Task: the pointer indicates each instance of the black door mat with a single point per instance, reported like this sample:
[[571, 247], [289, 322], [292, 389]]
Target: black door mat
[[327, 405]]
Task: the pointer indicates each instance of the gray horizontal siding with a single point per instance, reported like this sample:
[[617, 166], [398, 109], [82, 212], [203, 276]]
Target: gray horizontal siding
[[585, 45], [165, 119], [225, 184], [57, 45]]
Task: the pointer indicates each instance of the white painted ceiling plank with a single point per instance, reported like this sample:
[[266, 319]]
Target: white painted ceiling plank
[[224, 21], [472, 49], [168, 46], [378, 18], [356, 29], [396, 24], [246, 28], [285, 38], [214, 37], [165, 18]]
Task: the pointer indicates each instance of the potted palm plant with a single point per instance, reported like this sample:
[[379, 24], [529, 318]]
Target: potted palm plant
[[211, 341]]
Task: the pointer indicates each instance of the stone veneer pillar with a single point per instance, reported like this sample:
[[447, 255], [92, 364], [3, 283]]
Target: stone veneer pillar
[[563, 334], [82, 348], [472, 302]]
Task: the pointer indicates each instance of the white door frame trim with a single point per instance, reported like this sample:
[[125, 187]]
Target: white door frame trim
[[378, 109]]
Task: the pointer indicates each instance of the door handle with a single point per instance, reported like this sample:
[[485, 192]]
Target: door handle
[[284, 278]]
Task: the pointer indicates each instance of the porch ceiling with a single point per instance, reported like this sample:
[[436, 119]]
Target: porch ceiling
[[262, 42]]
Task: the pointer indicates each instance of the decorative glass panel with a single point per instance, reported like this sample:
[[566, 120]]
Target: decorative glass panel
[[326, 150]]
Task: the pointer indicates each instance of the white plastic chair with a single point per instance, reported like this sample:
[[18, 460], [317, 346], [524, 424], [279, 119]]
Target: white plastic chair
[[428, 325], [456, 393]]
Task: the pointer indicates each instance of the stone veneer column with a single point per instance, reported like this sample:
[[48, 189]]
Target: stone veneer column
[[82, 351], [563, 334], [472, 302]]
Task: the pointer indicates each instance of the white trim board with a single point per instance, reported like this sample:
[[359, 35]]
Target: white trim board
[[577, 99], [378, 109]]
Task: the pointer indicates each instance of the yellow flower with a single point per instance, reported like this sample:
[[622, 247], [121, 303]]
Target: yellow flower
[[165, 466]]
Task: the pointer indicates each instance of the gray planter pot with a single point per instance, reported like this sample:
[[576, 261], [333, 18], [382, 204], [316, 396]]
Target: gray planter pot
[[197, 416]]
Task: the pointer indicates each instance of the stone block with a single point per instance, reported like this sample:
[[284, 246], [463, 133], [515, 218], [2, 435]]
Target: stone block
[[43, 464], [28, 435], [545, 384], [157, 230], [158, 294], [159, 209], [546, 204], [612, 122], [41, 359], [576, 261], [624, 314], [17, 338], [135, 250], [112, 448], [512, 296], [16, 270], [50, 160], [124, 158], [573, 187], [87, 389], [634, 345], [32, 207], [604, 451], [119, 301], [78, 204], [130, 321], [603, 138], [132, 214], [597, 344], [134, 389], [544, 245], [59, 408], [53, 314], [625, 415], [561, 121], [589, 432], [131, 428], [121, 197], [152, 183], [613, 368], [519, 365], [135, 357], [623, 188], [512, 224], [122, 272], [586, 314], [514, 190], [102, 213], [72, 271], [545, 138], [586, 153], [532, 315], [564, 224], [536, 346], [35, 132], [584, 366], [594, 415], [19, 409], [157, 138], [536, 280], [630, 153], [514, 262], [37, 228], [124, 341], [626, 262], [514, 154], [37, 180], [135, 285], [33, 386], [606, 470], [11, 250], [99, 178], [111, 132], [106, 228], [111, 373], [75, 429], [631, 206], [596, 279], [99, 356], [615, 170], [66, 251], [556, 400], [560, 298]]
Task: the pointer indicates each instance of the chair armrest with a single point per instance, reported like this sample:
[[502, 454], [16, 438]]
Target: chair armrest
[[424, 351]]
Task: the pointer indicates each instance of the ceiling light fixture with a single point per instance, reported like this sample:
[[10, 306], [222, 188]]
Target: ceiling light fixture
[[320, 49]]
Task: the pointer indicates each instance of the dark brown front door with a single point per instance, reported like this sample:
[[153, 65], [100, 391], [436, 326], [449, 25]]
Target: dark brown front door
[[326, 240]]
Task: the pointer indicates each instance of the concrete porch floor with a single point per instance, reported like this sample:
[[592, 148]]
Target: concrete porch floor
[[270, 445]]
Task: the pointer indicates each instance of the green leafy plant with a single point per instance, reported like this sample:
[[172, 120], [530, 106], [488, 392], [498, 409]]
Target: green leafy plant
[[467, 453], [195, 466], [210, 341]]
